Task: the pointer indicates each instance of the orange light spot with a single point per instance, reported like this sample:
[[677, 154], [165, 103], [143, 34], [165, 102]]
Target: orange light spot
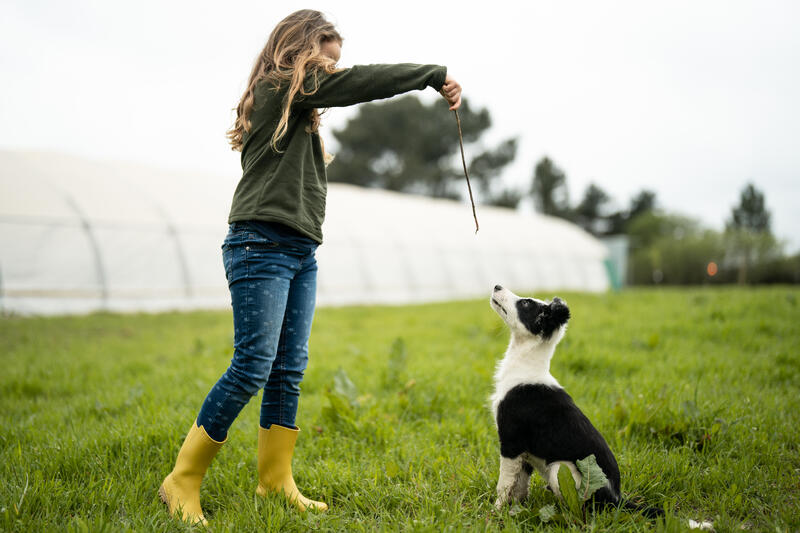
[[712, 269]]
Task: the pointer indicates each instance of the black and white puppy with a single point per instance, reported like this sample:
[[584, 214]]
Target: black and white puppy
[[538, 423]]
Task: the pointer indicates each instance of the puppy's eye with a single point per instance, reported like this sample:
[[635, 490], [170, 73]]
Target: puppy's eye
[[526, 303]]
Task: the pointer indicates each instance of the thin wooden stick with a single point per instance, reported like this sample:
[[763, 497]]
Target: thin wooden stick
[[466, 174]]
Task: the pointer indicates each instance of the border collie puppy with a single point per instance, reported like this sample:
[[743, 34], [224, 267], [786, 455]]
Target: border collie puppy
[[538, 423]]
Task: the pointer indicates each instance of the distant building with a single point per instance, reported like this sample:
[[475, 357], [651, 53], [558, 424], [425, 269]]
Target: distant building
[[78, 235], [617, 262]]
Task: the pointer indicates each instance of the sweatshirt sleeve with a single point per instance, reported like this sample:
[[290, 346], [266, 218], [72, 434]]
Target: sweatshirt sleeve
[[363, 83]]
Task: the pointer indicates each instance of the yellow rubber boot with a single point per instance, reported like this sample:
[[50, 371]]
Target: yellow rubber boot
[[181, 488], [275, 450]]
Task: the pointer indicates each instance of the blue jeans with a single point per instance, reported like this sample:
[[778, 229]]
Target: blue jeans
[[272, 276]]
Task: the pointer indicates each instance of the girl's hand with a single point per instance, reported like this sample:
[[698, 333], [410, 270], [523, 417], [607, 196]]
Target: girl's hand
[[451, 91]]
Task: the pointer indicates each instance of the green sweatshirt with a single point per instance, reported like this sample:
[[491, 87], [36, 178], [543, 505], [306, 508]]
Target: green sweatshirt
[[289, 186]]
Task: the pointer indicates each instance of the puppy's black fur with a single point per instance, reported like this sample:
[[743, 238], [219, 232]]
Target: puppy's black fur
[[544, 422]]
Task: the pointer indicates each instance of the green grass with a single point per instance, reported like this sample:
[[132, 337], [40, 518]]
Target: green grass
[[697, 392]]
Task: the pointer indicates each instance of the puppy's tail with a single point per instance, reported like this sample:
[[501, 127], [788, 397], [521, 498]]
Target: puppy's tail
[[646, 510]]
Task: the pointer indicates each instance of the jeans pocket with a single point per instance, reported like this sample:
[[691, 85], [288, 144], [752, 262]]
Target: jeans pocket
[[263, 254], [261, 245]]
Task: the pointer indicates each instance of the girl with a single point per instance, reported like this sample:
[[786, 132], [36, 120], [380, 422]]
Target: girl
[[275, 227]]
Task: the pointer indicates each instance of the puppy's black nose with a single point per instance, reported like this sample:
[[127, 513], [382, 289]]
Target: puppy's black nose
[[497, 288]]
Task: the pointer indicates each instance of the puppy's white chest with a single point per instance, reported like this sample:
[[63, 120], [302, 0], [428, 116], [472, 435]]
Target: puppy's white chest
[[520, 367]]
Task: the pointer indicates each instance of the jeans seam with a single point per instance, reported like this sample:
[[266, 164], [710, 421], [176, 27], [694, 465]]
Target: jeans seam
[[282, 365], [215, 419]]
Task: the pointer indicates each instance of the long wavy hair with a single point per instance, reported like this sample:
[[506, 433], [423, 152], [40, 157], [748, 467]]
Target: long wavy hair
[[292, 52]]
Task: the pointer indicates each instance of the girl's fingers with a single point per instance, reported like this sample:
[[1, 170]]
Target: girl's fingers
[[451, 91]]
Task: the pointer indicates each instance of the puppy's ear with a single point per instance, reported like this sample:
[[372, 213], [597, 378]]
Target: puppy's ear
[[559, 312]]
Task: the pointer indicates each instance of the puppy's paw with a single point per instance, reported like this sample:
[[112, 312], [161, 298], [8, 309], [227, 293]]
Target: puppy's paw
[[499, 503], [519, 494]]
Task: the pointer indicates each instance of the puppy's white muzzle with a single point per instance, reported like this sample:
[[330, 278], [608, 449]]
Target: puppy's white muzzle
[[502, 301]]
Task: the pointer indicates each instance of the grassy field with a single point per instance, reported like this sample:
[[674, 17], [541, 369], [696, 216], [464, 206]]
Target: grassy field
[[697, 392]]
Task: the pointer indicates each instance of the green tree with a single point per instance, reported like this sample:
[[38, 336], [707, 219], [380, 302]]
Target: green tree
[[747, 234], [590, 212], [643, 202], [549, 189], [405, 145], [751, 214], [486, 167]]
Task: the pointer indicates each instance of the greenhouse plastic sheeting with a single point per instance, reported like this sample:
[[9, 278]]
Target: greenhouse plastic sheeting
[[78, 235]]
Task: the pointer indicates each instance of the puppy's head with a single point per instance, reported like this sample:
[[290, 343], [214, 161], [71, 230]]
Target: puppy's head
[[529, 317]]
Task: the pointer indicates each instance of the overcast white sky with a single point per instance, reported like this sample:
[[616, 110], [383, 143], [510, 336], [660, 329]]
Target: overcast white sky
[[692, 99]]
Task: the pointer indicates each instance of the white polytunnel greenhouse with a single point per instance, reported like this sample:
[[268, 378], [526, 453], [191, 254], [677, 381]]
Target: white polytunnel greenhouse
[[79, 235]]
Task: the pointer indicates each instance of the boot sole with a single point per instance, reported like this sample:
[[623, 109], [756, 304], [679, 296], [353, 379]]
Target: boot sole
[[163, 495]]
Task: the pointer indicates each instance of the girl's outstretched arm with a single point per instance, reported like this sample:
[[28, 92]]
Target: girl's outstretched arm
[[363, 83]]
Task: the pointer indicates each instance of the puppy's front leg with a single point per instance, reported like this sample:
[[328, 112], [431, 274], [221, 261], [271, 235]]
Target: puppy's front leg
[[510, 470]]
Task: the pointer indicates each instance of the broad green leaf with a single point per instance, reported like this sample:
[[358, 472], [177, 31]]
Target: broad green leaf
[[344, 387], [566, 485], [592, 477], [340, 411], [396, 366], [339, 403], [547, 513]]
